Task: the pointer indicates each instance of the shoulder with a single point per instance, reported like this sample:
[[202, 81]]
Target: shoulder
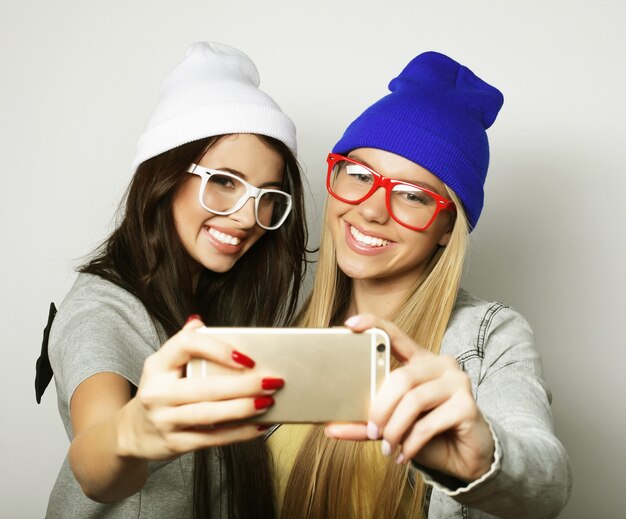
[[484, 315], [469, 308], [95, 291], [475, 323], [93, 294], [96, 302], [101, 323]]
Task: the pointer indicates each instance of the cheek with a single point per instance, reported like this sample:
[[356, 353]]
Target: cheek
[[335, 211], [259, 232], [183, 206], [420, 245], [183, 220], [179, 220]]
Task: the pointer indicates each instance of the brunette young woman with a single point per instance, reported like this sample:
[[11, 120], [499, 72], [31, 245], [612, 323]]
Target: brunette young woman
[[463, 422], [212, 228]]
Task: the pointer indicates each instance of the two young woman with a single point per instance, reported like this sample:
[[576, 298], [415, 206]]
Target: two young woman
[[406, 187]]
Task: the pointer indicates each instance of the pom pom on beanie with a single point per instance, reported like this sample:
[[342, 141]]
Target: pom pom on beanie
[[214, 90], [436, 116]]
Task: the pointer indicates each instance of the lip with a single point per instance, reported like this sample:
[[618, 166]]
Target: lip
[[362, 248], [224, 248]]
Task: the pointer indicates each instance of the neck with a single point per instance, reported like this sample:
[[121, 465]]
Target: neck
[[196, 271], [195, 278], [378, 297]]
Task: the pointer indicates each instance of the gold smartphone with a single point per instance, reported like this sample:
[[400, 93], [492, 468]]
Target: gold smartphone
[[331, 374]]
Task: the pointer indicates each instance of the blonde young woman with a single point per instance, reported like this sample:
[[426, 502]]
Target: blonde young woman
[[463, 423]]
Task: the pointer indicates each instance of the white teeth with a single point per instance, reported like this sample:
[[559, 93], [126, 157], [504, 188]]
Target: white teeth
[[224, 238], [367, 240]]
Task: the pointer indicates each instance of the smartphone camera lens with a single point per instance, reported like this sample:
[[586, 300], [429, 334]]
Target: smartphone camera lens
[[380, 348]]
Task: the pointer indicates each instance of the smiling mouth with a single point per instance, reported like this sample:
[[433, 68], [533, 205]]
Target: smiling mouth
[[364, 239], [224, 238]]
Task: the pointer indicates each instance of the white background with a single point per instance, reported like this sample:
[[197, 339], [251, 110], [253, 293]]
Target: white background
[[79, 80]]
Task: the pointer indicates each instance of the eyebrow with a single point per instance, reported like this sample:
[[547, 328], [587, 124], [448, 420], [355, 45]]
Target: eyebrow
[[244, 177], [418, 183]]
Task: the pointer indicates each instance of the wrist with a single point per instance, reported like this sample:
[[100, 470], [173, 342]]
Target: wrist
[[126, 443], [453, 486], [481, 468], [485, 460]]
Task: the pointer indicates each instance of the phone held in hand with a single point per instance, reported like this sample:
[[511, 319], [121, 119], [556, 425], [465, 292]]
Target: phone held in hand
[[331, 374]]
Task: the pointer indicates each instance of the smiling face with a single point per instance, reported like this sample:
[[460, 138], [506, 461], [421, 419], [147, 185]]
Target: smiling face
[[370, 245], [216, 242]]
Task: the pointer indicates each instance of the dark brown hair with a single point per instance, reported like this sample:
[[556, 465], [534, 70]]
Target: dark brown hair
[[145, 256]]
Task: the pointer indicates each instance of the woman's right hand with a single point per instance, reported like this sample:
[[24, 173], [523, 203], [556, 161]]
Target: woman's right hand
[[115, 435], [172, 415]]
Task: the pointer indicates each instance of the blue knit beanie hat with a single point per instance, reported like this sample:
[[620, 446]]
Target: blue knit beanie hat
[[435, 116]]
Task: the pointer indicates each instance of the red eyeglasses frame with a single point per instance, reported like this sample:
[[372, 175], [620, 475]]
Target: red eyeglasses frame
[[443, 204]]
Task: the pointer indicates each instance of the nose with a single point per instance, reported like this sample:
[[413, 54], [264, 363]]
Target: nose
[[246, 216], [374, 209]]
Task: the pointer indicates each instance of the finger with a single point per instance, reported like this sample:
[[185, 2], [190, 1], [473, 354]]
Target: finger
[[181, 391], [399, 382], [190, 440], [401, 344], [188, 344], [210, 413], [445, 417], [346, 431], [193, 322], [413, 404]]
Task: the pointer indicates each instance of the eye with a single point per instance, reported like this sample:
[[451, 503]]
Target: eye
[[410, 195], [359, 173], [222, 181]]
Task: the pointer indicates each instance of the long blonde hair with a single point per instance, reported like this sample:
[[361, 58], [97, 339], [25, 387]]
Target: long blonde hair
[[342, 479]]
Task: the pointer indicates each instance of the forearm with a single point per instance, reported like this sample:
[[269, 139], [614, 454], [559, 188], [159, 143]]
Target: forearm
[[100, 460], [530, 474], [532, 480], [530, 477]]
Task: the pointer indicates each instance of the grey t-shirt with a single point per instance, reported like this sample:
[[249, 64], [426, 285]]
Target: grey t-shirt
[[100, 327]]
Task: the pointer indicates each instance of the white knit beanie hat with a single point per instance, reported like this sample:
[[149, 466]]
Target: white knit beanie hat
[[213, 91]]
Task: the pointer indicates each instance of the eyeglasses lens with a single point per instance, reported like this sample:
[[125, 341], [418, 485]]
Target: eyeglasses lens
[[223, 192], [272, 207], [409, 204]]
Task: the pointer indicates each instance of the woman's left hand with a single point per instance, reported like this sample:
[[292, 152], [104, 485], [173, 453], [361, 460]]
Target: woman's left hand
[[425, 411]]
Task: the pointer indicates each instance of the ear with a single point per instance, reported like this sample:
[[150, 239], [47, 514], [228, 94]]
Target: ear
[[445, 239]]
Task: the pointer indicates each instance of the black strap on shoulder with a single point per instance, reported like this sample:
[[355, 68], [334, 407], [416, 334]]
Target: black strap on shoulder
[[43, 372]]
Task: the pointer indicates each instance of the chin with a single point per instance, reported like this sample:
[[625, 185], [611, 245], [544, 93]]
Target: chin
[[353, 271], [219, 267]]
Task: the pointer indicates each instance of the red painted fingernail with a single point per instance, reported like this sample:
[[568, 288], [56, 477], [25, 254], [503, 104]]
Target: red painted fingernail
[[242, 359], [272, 383], [263, 402], [193, 317], [264, 427]]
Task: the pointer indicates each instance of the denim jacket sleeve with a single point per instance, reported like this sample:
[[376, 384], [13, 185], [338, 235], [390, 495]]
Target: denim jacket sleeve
[[530, 476]]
